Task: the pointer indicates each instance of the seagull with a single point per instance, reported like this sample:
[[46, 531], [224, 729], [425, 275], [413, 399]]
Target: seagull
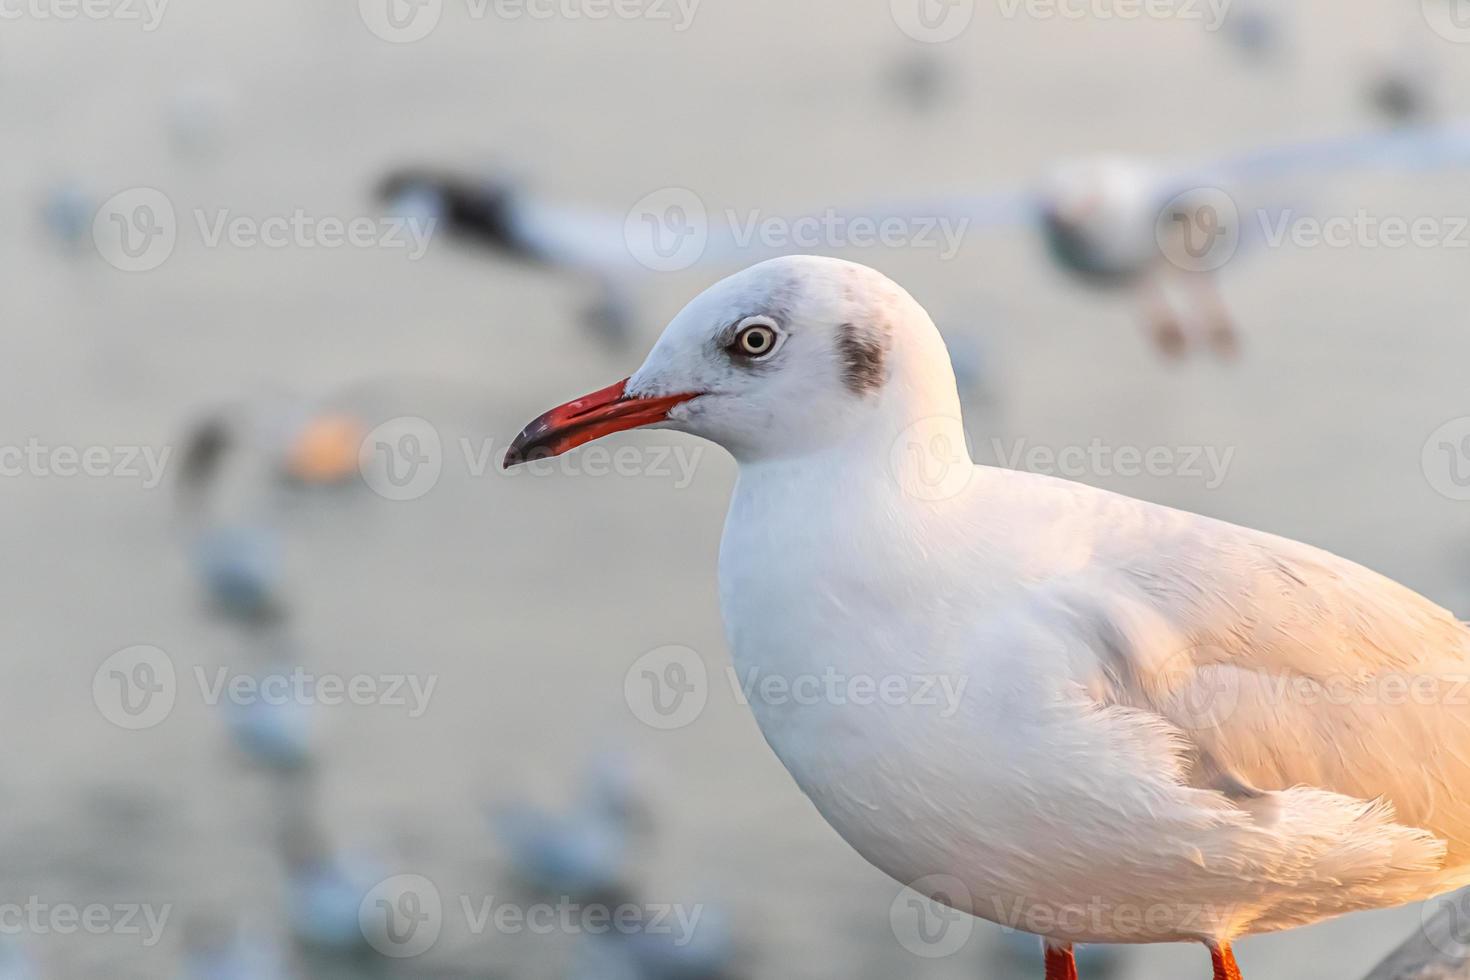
[[325, 888], [583, 853], [1172, 728], [1121, 223], [271, 733], [240, 567]]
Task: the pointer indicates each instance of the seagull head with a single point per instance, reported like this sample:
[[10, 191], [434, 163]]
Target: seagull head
[[1097, 192], [793, 356]]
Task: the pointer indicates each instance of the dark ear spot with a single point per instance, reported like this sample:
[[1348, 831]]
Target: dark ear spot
[[864, 355]]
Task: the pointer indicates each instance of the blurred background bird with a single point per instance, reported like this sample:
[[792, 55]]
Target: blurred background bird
[[585, 852], [218, 950], [1164, 233]]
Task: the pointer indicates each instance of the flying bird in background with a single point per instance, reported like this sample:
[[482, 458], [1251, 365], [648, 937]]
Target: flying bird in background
[[1148, 709], [1163, 233], [1118, 223]]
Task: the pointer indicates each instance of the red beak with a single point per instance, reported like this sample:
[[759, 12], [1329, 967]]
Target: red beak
[[584, 419]]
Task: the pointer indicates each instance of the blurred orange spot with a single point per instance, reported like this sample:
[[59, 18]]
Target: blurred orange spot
[[325, 450]]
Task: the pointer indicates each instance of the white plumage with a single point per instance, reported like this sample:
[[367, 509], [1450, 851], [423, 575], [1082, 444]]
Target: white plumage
[[1167, 728]]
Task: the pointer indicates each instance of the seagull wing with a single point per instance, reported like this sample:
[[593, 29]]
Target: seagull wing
[[1280, 664], [1415, 148], [978, 211], [580, 237]]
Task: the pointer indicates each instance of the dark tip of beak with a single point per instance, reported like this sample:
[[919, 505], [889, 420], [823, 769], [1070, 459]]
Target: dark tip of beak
[[527, 446], [584, 419]]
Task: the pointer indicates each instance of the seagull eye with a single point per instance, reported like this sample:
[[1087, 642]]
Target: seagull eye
[[755, 340]]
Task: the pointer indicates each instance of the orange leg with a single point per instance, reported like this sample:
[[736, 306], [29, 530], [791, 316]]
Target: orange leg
[[1224, 960], [1060, 963], [1219, 324], [1164, 325]]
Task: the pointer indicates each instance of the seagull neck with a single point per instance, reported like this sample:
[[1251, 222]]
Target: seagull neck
[[906, 460]]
